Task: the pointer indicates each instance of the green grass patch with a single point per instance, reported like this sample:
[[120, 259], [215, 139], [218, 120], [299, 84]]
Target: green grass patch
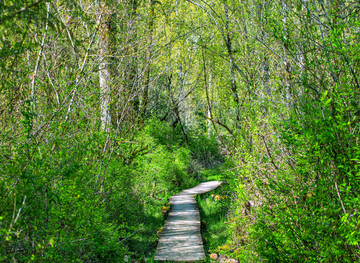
[[214, 207]]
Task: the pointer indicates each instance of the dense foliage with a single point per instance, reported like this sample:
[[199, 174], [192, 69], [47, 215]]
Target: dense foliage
[[108, 108]]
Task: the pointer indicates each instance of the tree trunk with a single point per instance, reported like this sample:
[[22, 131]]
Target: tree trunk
[[232, 67], [104, 71], [286, 52], [148, 59]]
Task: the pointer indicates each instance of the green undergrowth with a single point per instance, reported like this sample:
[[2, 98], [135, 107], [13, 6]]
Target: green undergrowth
[[66, 200], [88, 195], [220, 172]]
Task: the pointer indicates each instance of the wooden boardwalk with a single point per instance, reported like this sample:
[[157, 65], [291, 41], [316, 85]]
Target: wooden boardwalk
[[180, 239]]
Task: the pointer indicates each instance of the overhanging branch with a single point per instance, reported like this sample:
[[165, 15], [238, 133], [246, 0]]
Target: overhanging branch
[[221, 124]]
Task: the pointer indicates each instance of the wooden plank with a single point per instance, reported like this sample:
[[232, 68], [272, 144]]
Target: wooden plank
[[180, 239]]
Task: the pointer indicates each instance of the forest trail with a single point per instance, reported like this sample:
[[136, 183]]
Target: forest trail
[[180, 239]]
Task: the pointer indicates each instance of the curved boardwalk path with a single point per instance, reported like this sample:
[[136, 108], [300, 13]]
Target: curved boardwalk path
[[180, 239]]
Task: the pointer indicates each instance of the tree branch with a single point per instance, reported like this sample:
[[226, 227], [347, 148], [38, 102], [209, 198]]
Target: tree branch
[[221, 124], [23, 9]]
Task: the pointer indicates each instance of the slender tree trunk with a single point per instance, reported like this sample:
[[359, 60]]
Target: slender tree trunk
[[131, 80], [232, 67], [148, 58], [265, 64], [207, 88], [104, 70], [286, 51], [39, 56]]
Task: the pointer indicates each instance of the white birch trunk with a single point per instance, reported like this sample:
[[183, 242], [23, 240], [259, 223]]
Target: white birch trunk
[[104, 73], [104, 79]]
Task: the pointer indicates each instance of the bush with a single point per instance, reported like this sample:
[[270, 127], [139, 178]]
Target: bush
[[206, 150]]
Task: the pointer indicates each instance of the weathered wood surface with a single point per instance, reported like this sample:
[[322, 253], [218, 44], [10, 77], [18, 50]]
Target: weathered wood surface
[[180, 239]]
